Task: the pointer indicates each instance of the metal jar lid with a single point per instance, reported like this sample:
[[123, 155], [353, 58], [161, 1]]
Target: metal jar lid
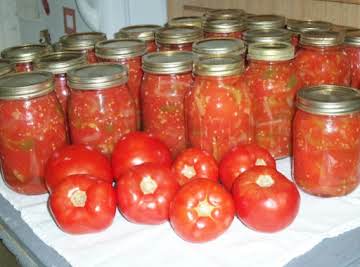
[[60, 62], [224, 14], [279, 51], [300, 26], [321, 38], [5, 67], [97, 76], [143, 32], [81, 40], [24, 53], [224, 25], [328, 100], [265, 22], [192, 21], [178, 35], [169, 62], [266, 36], [219, 47], [26, 85], [352, 38], [220, 66], [120, 48]]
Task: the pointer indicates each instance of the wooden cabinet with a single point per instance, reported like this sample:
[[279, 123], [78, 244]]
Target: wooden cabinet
[[341, 12]]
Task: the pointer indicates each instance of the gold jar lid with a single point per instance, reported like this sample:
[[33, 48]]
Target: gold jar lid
[[266, 36], [353, 38], [300, 26], [81, 40], [178, 35], [143, 32], [230, 13], [26, 85], [5, 67], [258, 22], [328, 100], [60, 62], [219, 47], [219, 66], [169, 62], [279, 51], [120, 48], [321, 38], [97, 76], [224, 25], [191, 21], [24, 53]]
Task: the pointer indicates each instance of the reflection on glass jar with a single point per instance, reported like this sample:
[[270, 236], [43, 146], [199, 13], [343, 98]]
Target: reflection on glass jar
[[166, 80], [32, 127], [326, 157], [101, 109], [218, 107]]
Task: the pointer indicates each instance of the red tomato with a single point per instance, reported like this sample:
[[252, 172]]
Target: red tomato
[[82, 204], [201, 211], [76, 159], [195, 163], [137, 148], [240, 159], [265, 200], [144, 193]]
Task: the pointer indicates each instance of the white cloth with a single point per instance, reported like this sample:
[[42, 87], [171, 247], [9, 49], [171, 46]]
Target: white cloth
[[127, 244]]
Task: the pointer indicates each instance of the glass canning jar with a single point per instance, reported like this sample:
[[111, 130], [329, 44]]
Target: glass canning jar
[[126, 52], [5, 67], [267, 36], [192, 21], [219, 47], [218, 107], [224, 28], [177, 38], [326, 157], [352, 50], [59, 63], [273, 81], [321, 59], [83, 42], [167, 78], [101, 109], [264, 22], [32, 127], [144, 32], [23, 56], [229, 13]]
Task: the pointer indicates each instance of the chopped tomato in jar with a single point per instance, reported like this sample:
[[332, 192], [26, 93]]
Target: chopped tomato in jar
[[32, 127], [352, 50], [163, 91], [326, 160], [218, 107], [274, 83], [101, 109]]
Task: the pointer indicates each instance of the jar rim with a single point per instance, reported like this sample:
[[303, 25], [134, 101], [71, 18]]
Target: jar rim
[[81, 40], [144, 32], [219, 66], [178, 35], [24, 53], [120, 48], [219, 47], [60, 62], [168, 62]]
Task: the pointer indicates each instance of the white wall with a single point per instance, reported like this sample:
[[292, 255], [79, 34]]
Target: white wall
[[9, 26]]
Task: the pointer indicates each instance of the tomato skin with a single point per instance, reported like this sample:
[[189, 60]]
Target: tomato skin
[[137, 148], [76, 159], [241, 159], [267, 208], [194, 227], [195, 163], [97, 213], [139, 200]]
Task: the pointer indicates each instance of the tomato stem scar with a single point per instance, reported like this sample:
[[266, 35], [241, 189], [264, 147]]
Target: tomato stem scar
[[204, 209], [265, 181], [188, 171], [148, 185], [260, 162], [78, 198]]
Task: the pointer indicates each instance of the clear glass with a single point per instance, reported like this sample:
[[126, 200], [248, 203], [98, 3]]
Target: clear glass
[[163, 108], [274, 85], [99, 118], [326, 157], [218, 113], [323, 65], [151, 46], [353, 54], [30, 131]]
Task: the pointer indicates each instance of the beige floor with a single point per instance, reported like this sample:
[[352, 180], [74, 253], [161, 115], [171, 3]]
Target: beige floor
[[6, 258]]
